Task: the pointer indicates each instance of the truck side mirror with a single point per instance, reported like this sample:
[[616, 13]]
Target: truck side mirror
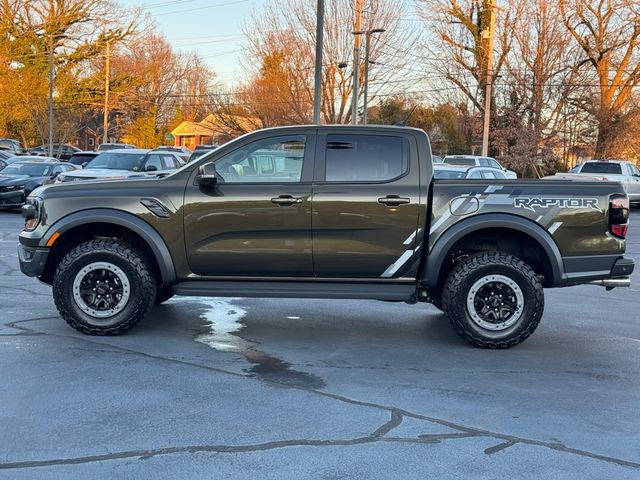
[[206, 175]]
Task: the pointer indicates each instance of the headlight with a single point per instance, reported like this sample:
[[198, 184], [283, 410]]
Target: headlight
[[14, 187], [32, 212]]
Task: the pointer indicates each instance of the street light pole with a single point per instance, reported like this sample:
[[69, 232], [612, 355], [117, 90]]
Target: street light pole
[[356, 64], [105, 118], [367, 46], [317, 90], [489, 78], [51, 95]]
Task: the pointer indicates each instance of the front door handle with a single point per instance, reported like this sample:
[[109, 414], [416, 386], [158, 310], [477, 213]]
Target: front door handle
[[286, 200], [393, 200]]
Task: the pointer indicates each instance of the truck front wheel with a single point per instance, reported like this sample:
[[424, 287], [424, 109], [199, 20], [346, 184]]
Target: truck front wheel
[[493, 300], [103, 287]]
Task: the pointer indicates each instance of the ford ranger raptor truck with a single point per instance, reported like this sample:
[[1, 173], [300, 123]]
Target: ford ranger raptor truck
[[325, 212]]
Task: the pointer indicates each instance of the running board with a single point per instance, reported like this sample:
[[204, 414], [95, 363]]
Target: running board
[[270, 289]]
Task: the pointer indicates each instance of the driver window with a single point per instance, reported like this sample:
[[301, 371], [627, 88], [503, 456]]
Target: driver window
[[267, 161], [474, 175], [155, 161]]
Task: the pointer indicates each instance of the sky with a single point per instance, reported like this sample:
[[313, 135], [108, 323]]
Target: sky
[[213, 28]]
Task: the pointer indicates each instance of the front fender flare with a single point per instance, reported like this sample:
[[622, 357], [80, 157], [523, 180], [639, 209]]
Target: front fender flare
[[447, 240], [127, 220]]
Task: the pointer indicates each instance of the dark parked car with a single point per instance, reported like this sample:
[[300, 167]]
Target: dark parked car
[[80, 159], [103, 147], [125, 164], [442, 171], [12, 145], [200, 151], [19, 179], [60, 151]]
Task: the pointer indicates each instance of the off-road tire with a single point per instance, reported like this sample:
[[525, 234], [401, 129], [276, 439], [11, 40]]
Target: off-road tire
[[163, 294], [462, 278], [118, 253]]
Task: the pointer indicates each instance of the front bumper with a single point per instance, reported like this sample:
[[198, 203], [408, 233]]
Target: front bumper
[[12, 198], [32, 260]]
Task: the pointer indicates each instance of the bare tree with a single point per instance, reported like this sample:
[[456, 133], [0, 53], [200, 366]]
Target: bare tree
[[607, 33], [280, 58], [457, 47], [541, 68]]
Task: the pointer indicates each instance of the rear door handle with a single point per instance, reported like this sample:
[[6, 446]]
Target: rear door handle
[[393, 200], [286, 200]]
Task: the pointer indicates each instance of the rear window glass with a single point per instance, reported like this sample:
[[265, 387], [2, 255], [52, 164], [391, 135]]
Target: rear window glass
[[462, 161], [117, 161], [448, 174], [30, 169], [602, 167], [365, 158]]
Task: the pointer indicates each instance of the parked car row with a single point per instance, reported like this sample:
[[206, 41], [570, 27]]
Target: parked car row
[[20, 175]]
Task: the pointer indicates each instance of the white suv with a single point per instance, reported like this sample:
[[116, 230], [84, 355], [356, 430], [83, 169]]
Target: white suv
[[476, 161]]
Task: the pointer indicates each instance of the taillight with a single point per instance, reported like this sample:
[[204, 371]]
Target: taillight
[[619, 215]]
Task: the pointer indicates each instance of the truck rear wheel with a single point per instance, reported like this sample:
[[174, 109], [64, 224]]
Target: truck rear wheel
[[493, 300], [103, 287]]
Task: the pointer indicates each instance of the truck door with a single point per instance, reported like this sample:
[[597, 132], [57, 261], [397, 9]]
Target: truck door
[[366, 205], [256, 220]]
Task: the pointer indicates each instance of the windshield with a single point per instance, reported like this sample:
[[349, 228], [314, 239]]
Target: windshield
[[117, 161], [465, 162], [448, 174], [30, 169]]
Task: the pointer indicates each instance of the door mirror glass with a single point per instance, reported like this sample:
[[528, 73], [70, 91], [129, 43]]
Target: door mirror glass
[[206, 175], [151, 168]]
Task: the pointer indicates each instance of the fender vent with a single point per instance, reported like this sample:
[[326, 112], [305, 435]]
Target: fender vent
[[156, 207]]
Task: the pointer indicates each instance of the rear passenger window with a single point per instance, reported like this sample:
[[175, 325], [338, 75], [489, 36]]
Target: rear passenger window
[[366, 158]]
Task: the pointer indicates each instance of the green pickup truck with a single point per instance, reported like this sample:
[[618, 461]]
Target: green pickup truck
[[325, 212]]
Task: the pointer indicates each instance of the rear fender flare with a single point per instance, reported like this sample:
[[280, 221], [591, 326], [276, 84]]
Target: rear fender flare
[[447, 240]]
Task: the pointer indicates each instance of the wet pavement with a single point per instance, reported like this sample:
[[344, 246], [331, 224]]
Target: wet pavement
[[274, 389]]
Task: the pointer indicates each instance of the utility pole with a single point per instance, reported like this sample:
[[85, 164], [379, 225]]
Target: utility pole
[[367, 46], [105, 118], [357, 26], [488, 35], [317, 90], [51, 95]]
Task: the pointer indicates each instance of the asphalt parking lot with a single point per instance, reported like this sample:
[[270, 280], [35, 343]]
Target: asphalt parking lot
[[274, 389]]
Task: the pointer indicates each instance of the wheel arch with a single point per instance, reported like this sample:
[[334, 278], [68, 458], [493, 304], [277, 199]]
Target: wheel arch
[[485, 224], [74, 228]]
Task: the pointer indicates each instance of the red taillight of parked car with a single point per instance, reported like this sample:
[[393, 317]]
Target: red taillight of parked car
[[619, 215]]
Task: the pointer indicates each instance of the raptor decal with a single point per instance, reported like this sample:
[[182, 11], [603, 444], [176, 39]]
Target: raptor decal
[[531, 203]]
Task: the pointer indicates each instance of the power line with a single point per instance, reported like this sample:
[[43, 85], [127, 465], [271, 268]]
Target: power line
[[174, 12]]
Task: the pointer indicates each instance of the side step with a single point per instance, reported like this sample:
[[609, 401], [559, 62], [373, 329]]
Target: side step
[[275, 289]]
